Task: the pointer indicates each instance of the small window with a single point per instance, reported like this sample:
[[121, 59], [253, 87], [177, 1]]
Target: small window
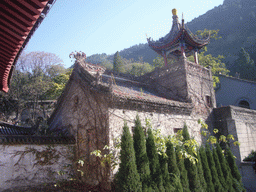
[[176, 130], [208, 101], [244, 104]]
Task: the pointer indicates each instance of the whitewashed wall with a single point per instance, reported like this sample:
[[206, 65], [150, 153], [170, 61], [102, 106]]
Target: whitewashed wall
[[26, 172]]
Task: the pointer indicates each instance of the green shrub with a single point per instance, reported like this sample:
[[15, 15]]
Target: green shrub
[[128, 178], [157, 181], [225, 169], [201, 173], [219, 170], [206, 170], [215, 178], [183, 172], [141, 155]]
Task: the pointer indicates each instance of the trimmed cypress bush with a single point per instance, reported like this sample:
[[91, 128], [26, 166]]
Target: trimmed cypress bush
[[194, 183], [141, 155], [237, 179], [232, 165], [128, 178], [219, 170], [183, 172], [215, 178], [185, 133], [171, 160], [155, 172], [207, 171], [201, 173], [225, 169], [165, 174]]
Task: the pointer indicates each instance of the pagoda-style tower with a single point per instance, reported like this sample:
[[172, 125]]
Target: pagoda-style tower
[[179, 42]]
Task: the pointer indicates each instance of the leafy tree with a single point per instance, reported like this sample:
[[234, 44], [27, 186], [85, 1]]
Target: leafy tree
[[225, 169], [157, 181], [118, 63], [183, 171], [139, 69], [244, 66], [158, 62], [141, 155], [206, 169], [215, 178], [128, 178], [219, 170]]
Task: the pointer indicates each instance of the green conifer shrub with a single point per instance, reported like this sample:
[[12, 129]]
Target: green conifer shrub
[[171, 160], [155, 172], [128, 178], [183, 172], [141, 155], [185, 133], [219, 170], [237, 179], [225, 169], [165, 174], [194, 183], [215, 178], [206, 170], [201, 173]]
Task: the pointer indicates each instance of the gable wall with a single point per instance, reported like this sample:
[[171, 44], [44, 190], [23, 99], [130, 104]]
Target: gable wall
[[83, 113]]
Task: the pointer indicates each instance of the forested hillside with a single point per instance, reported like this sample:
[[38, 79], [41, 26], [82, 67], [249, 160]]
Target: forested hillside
[[236, 22]]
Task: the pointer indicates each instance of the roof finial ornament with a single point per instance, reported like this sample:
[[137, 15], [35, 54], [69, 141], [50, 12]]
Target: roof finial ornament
[[182, 21], [174, 12]]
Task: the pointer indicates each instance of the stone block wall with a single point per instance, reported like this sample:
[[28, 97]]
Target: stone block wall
[[241, 123], [20, 168]]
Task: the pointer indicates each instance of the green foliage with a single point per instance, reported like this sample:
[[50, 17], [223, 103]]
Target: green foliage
[[185, 133], [206, 170], [219, 170], [118, 65], [157, 181], [215, 178], [141, 154], [201, 174], [225, 169], [158, 62], [128, 178], [251, 156], [244, 66], [183, 171], [165, 174], [215, 63], [139, 69], [232, 165], [172, 163]]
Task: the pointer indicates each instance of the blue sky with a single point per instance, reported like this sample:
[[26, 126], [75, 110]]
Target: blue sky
[[107, 26]]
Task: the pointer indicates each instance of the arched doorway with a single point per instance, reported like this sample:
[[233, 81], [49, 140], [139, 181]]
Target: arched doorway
[[244, 104]]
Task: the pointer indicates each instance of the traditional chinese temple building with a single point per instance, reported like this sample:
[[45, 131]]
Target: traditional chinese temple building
[[180, 41]]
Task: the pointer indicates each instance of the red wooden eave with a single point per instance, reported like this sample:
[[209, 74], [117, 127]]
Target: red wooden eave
[[19, 19]]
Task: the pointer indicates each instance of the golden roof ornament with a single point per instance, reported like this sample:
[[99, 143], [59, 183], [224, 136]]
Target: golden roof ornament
[[174, 12]]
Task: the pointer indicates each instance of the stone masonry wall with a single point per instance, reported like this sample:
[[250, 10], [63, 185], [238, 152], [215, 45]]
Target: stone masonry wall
[[19, 167], [83, 113], [241, 123], [165, 122]]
